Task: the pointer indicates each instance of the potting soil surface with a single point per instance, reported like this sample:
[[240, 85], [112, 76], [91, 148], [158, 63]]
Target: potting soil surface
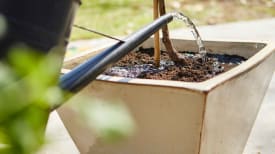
[[140, 64]]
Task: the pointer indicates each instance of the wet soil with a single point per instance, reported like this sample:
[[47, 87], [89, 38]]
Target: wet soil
[[140, 64]]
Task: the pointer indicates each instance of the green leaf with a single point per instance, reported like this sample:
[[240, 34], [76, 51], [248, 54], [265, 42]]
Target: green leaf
[[13, 98], [26, 130]]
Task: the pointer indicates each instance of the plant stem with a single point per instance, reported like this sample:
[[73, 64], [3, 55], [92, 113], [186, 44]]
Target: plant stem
[[172, 52]]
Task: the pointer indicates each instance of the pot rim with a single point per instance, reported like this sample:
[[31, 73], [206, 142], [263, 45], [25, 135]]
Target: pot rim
[[204, 86]]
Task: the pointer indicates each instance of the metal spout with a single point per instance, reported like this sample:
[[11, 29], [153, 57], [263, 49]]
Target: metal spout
[[83, 74]]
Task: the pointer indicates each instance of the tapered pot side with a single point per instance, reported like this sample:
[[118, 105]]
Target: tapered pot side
[[214, 116]]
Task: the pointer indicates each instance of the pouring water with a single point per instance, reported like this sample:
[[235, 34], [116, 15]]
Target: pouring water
[[195, 32]]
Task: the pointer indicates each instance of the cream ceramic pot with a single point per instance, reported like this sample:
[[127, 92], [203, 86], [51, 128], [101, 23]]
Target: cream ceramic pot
[[172, 117]]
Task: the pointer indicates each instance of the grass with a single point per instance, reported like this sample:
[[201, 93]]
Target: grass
[[116, 17], [122, 17]]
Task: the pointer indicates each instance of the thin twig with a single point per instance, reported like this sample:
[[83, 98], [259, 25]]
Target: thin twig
[[99, 33]]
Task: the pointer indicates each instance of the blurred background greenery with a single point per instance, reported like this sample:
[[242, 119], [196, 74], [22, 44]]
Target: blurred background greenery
[[122, 17], [28, 92]]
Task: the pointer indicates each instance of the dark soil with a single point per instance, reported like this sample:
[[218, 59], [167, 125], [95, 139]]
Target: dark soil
[[140, 64]]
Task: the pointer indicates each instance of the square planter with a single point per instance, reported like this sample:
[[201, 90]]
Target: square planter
[[172, 117]]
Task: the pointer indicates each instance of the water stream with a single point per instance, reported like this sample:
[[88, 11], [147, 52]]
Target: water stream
[[195, 32]]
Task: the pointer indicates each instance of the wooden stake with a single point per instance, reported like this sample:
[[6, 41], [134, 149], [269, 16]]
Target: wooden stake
[[156, 36]]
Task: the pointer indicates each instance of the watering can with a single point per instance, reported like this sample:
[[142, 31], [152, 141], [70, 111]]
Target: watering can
[[42, 25]]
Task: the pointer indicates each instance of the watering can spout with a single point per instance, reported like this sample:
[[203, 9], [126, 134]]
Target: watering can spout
[[83, 74]]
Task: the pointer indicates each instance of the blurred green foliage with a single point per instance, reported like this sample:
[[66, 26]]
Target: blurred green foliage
[[24, 103], [29, 90]]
